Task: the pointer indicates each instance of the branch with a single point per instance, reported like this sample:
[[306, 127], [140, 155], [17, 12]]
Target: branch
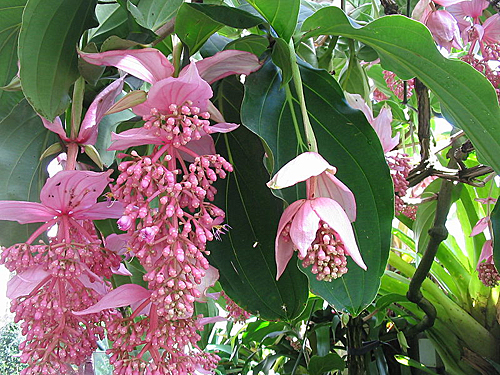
[[437, 233]]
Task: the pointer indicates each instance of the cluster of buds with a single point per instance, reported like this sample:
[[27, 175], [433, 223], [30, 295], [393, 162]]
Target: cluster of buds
[[400, 168]]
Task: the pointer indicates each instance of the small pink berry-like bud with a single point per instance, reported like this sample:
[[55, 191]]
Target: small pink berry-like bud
[[124, 223]]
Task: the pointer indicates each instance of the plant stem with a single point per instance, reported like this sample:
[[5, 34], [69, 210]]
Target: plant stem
[[297, 81], [76, 106], [356, 362]]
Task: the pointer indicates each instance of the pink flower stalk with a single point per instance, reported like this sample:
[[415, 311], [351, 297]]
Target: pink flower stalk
[[97, 110], [171, 344], [488, 273], [318, 227], [397, 86], [400, 168], [235, 313], [64, 275]]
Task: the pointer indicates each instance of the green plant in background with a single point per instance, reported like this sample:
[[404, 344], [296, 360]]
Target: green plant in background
[[10, 338]]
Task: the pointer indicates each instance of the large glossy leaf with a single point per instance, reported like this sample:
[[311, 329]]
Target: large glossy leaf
[[22, 140], [281, 14], [10, 23], [406, 47], [194, 27], [245, 256], [348, 142], [47, 51], [152, 14]]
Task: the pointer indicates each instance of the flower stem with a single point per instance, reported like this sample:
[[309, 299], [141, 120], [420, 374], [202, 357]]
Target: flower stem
[[297, 81], [76, 106], [71, 155]]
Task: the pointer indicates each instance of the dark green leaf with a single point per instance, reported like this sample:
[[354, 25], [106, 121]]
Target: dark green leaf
[[245, 257], [113, 21], [214, 44], [10, 23], [22, 140], [281, 14], [318, 365], [255, 44], [282, 57], [228, 16], [194, 27], [47, 51], [89, 71], [152, 14], [349, 142], [406, 47]]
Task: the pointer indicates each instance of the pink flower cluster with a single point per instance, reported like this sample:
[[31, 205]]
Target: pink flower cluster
[[318, 227], [162, 201], [400, 168], [235, 312], [397, 86], [66, 274]]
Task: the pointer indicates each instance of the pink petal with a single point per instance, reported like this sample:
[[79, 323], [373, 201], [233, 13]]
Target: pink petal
[[329, 186], [122, 270], [480, 226], [492, 29], [203, 146], [102, 102], [70, 191], [209, 320], [284, 248], [118, 243], [56, 127], [474, 8], [210, 278], [332, 213], [124, 295], [447, 3], [457, 11], [486, 253], [223, 127], [189, 86], [147, 64], [215, 113], [25, 212], [136, 137], [25, 282], [100, 211], [305, 224], [382, 126], [226, 63], [444, 28], [303, 167], [96, 284], [357, 102]]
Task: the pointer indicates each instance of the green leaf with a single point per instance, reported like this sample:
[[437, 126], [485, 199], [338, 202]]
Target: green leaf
[[282, 58], [282, 15], [152, 14], [47, 51], [10, 23], [353, 78], [23, 139], [228, 16], [245, 257], [112, 22], [319, 365], [255, 44], [194, 27], [107, 125], [406, 47], [407, 361], [495, 221], [349, 142]]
